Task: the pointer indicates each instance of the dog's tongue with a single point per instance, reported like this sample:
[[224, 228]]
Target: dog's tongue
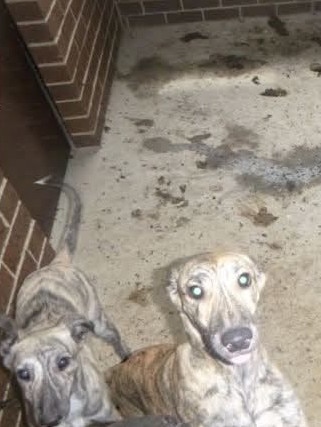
[[242, 358]]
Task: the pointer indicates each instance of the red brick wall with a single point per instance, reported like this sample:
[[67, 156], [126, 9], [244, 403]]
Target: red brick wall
[[154, 12], [74, 44], [23, 249]]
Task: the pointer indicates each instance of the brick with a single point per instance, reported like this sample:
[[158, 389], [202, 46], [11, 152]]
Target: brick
[[36, 241], [48, 255], [64, 71], [8, 202], [161, 5], [196, 4], [94, 138], [4, 379], [63, 4], [27, 268], [189, 16], [29, 10], [270, 1], [80, 105], [88, 9], [86, 123], [152, 19], [259, 10], [92, 93], [6, 286], [47, 53], [80, 31], [67, 29], [72, 89], [221, 14], [56, 51], [317, 6], [296, 7], [45, 31], [109, 51], [76, 7], [227, 3], [4, 229], [17, 239], [130, 8], [10, 414]]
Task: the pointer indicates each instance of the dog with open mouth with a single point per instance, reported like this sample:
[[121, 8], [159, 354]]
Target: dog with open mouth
[[220, 377]]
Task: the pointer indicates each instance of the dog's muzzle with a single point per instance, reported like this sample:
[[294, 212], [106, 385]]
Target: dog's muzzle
[[237, 341], [232, 345]]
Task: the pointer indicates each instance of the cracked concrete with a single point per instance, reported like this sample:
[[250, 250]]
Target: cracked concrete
[[194, 159]]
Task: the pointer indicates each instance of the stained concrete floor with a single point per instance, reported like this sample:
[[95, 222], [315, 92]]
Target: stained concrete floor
[[195, 158]]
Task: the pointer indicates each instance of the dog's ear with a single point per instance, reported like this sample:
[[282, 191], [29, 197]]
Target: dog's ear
[[79, 328], [8, 336]]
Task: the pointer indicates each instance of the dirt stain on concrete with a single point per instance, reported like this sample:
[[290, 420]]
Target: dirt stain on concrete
[[199, 138], [240, 136], [230, 64], [158, 144], [299, 168], [181, 221], [142, 122], [262, 217], [166, 197], [140, 296]]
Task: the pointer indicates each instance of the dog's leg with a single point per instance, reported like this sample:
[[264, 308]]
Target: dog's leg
[[105, 329], [282, 408]]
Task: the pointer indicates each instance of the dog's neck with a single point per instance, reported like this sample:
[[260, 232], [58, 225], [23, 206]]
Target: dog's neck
[[246, 374]]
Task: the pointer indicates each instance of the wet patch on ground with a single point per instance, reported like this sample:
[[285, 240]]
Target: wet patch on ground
[[152, 72], [258, 47], [289, 173]]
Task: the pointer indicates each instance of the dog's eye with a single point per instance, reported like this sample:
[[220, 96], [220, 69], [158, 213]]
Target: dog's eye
[[63, 363], [23, 374], [244, 280], [195, 292]]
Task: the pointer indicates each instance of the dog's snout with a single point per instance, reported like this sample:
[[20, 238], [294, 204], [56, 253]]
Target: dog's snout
[[237, 339], [51, 423]]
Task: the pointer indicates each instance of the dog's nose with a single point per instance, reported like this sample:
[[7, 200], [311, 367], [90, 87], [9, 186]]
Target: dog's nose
[[237, 339]]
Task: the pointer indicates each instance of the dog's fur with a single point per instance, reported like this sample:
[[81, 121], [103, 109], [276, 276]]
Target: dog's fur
[[146, 421], [221, 377], [45, 347]]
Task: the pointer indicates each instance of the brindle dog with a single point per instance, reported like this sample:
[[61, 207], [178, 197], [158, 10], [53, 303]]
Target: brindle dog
[[45, 347], [221, 377]]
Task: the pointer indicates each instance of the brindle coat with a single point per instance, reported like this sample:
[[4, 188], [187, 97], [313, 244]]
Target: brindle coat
[[221, 377], [45, 347]]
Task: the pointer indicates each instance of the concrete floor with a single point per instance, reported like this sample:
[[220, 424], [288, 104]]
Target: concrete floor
[[194, 158]]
